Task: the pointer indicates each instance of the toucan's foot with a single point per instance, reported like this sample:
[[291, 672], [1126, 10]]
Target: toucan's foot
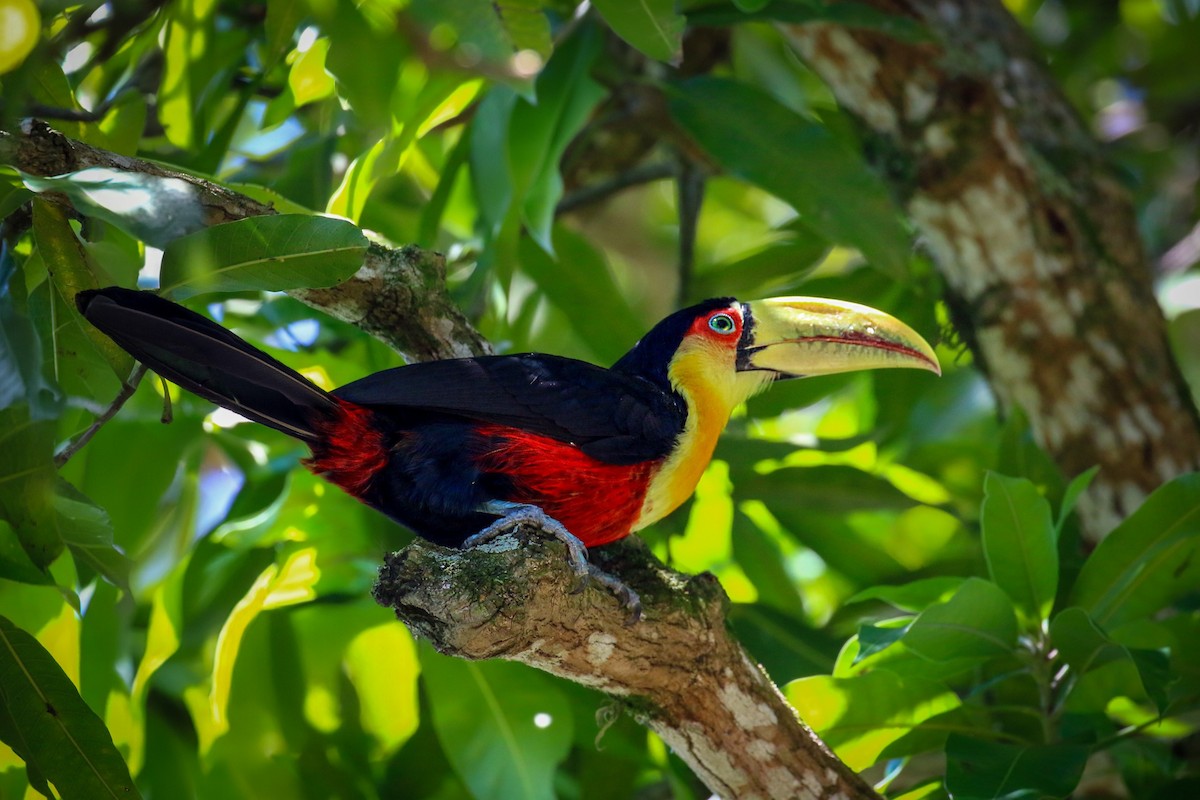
[[628, 597], [514, 514]]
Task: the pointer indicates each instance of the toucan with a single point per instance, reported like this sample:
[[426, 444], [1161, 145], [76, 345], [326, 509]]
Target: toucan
[[464, 449]]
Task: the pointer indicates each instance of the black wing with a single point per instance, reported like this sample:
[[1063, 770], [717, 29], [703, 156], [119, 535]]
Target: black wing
[[615, 418]]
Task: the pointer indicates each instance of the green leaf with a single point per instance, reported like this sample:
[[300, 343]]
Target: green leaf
[[1149, 561], [1020, 545], [978, 769], [270, 253], [845, 14], [491, 177], [15, 564], [828, 487], [759, 140], [787, 647], [579, 270], [1084, 646], [308, 80], [43, 719], [88, 533], [27, 483], [152, 208], [440, 97], [489, 717], [22, 380], [763, 272], [1075, 488], [283, 17], [541, 131], [13, 194], [858, 717], [188, 65], [72, 271], [652, 26], [873, 639], [977, 622], [915, 596], [526, 25], [761, 558]]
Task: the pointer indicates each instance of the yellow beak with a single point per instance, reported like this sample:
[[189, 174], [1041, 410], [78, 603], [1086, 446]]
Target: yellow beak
[[801, 336]]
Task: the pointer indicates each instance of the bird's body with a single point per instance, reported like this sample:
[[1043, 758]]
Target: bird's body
[[445, 447]]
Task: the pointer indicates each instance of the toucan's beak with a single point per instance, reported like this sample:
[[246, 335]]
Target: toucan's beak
[[799, 336]]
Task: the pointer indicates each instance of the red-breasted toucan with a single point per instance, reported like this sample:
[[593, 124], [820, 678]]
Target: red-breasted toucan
[[463, 446]]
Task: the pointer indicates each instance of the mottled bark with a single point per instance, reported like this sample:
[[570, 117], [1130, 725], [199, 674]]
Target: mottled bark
[[398, 296], [1046, 276], [678, 670]]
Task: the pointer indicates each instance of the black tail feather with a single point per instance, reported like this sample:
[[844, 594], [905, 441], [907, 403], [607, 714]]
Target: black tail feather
[[202, 357]]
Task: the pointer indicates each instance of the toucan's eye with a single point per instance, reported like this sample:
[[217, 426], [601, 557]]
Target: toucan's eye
[[722, 323]]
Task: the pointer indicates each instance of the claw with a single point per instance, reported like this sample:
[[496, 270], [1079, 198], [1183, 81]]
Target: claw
[[514, 514], [628, 597]]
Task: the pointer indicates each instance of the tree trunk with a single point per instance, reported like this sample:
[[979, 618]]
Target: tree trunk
[[1046, 277]]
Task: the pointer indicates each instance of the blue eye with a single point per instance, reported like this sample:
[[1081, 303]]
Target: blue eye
[[722, 323]]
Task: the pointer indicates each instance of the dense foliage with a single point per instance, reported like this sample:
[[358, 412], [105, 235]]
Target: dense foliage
[[185, 609]]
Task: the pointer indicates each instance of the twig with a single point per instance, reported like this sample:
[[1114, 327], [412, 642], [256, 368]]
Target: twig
[[599, 191], [691, 184], [127, 390], [398, 295]]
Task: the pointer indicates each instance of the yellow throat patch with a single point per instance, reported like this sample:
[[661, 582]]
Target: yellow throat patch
[[704, 373]]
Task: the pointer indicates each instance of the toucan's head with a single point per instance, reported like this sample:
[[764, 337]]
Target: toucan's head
[[732, 349]]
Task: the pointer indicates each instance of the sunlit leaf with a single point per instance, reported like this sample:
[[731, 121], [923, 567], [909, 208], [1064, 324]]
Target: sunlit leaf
[[152, 208], [276, 587], [440, 97], [187, 64], [271, 253], [43, 718], [858, 717], [382, 664], [308, 80]]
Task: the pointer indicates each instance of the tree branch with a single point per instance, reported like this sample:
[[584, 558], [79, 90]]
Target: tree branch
[[681, 672], [399, 295]]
